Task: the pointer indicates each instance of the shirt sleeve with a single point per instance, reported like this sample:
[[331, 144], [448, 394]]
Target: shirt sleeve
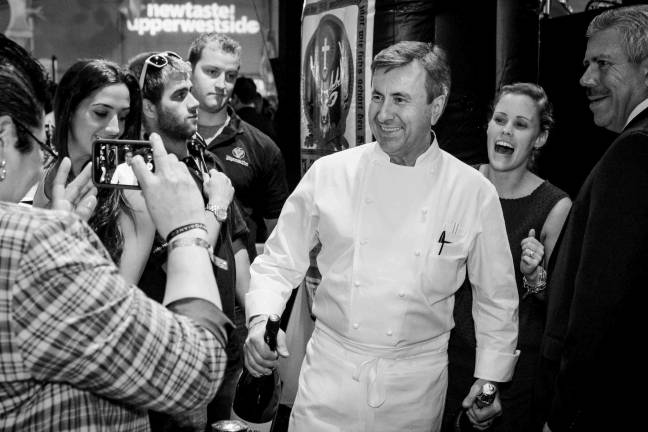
[[78, 321], [285, 260], [273, 183], [240, 229], [495, 297]]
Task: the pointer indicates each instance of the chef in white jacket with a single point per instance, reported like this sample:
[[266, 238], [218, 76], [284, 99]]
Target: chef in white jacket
[[400, 221]]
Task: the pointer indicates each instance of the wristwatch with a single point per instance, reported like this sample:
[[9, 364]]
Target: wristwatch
[[219, 211]]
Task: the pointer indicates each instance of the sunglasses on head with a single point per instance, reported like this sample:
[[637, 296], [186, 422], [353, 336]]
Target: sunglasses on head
[[157, 60], [45, 146]]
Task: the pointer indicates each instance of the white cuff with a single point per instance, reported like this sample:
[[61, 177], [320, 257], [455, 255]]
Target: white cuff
[[495, 366]]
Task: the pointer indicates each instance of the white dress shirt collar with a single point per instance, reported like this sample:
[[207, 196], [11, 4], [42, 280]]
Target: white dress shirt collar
[[425, 159], [635, 112]]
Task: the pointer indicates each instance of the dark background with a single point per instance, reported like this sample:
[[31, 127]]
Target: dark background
[[489, 43]]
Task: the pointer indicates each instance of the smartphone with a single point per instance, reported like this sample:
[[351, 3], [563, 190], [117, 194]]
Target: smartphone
[[111, 162]]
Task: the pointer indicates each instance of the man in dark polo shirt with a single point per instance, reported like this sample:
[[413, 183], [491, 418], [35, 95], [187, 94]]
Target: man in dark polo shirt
[[252, 160]]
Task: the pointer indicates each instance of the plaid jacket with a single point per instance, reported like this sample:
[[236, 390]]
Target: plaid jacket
[[80, 349]]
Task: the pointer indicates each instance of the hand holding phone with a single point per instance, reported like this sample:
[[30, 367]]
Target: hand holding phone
[[170, 192]]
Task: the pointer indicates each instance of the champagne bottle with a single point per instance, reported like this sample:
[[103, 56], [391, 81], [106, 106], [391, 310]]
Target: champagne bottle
[[256, 399], [485, 397]]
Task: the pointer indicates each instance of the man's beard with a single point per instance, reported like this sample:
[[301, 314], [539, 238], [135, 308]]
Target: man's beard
[[174, 127]]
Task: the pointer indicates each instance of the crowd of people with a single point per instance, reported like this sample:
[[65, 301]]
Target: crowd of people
[[137, 309]]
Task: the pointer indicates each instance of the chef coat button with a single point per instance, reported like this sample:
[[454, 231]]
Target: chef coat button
[[401, 294], [356, 284], [368, 200], [356, 325], [363, 242], [424, 211], [417, 253], [389, 333]]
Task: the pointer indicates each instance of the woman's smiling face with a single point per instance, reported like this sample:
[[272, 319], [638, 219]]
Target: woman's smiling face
[[100, 115], [513, 132]]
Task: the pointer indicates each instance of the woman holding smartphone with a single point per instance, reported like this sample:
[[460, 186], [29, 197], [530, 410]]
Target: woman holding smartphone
[[98, 99]]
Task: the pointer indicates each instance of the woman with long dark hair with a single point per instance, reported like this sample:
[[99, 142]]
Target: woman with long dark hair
[[98, 99]]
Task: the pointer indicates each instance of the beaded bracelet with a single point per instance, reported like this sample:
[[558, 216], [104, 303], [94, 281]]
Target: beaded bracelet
[[185, 228], [540, 284]]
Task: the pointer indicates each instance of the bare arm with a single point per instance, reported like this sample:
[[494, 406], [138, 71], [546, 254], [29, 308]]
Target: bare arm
[[138, 234], [242, 260], [535, 252], [553, 225]]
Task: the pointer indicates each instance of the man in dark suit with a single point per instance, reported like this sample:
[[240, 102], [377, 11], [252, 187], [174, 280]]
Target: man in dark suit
[[597, 290]]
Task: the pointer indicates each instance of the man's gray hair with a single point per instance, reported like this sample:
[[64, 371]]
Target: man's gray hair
[[432, 57], [632, 24]]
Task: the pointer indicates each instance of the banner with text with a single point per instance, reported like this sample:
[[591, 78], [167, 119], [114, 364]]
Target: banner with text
[[172, 25], [120, 29]]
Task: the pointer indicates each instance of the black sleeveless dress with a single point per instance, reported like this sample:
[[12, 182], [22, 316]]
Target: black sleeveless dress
[[520, 215]]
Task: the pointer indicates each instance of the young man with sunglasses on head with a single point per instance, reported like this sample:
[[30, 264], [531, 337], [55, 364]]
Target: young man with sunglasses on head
[[170, 110]]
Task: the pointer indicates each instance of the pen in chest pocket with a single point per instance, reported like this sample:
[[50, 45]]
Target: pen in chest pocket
[[442, 241]]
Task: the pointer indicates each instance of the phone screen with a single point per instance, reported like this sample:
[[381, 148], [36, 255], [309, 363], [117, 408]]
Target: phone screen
[[111, 162]]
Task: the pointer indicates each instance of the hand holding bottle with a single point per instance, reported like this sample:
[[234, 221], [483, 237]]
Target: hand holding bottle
[[259, 358], [257, 396], [480, 414]]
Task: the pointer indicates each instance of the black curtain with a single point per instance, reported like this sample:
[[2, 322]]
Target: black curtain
[[286, 69], [466, 30]]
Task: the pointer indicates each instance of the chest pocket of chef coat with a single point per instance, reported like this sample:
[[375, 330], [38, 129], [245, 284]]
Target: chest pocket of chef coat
[[442, 274]]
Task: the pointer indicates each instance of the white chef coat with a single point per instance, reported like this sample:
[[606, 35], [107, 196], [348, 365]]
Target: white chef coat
[[124, 175], [396, 242]]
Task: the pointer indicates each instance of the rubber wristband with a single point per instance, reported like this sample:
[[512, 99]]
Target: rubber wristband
[[185, 228]]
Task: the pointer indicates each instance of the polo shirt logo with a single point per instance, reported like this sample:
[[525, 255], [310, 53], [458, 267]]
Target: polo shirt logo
[[239, 154]]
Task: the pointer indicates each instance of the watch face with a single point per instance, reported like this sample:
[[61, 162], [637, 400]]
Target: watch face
[[221, 214]]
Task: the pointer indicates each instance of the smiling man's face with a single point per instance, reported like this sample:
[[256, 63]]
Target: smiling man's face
[[400, 115], [614, 86]]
